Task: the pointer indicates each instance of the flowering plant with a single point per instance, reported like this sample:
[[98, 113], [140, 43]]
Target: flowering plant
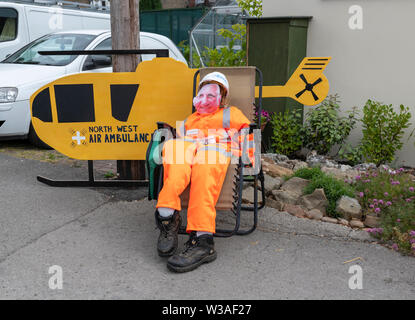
[[390, 195], [265, 116], [382, 188]]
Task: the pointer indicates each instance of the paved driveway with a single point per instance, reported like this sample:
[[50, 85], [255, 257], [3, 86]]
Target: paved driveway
[[103, 242]]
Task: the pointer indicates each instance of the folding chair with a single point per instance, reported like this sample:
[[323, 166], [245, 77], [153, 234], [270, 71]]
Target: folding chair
[[242, 95]]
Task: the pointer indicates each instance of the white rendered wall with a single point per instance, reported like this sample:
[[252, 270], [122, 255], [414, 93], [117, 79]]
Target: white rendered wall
[[375, 62]]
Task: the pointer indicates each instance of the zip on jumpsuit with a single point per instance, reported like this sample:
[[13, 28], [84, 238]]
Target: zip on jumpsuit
[[201, 156]]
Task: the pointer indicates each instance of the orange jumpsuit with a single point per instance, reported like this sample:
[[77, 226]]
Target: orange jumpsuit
[[201, 155]]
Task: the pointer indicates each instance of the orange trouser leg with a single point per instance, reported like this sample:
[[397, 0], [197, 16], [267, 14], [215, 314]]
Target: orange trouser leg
[[207, 178], [177, 163]]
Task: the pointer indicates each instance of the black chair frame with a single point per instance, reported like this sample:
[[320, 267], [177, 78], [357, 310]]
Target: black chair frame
[[240, 179]]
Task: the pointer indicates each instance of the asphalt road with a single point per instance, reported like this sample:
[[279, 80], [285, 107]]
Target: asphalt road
[[103, 242]]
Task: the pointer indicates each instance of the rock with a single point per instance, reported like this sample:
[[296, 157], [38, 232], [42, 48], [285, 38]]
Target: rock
[[328, 219], [315, 214], [275, 157], [286, 165], [343, 222], [302, 154], [269, 202], [271, 183], [316, 160], [294, 210], [385, 167], [275, 170], [300, 165], [349, 208], [295, 185], [372, 221], [340, 174], [248, 195], [286, 196], [354, 223], [344, 167], [316, 200], [364, 166]]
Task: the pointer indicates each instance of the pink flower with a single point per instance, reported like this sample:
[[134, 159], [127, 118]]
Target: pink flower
[[361, 194], [377, 210], [412, 233], [411, 189], [398, 220], [381, 201], [358, 177], [408, 200], [388, 203], [386, 194], [395, 247], [371, 206]]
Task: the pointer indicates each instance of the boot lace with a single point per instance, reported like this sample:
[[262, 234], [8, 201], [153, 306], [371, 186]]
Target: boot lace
[[190, 245], [166, 228]]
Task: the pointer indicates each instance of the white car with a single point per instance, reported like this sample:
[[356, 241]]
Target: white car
[[25, 71]]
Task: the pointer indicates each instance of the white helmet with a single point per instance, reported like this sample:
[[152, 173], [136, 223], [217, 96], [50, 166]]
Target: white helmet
[[216, 77]]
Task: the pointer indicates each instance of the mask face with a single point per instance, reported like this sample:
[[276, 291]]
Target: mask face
[[208, 99]]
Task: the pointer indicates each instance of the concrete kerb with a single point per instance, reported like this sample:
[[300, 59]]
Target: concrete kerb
[[272, 220]]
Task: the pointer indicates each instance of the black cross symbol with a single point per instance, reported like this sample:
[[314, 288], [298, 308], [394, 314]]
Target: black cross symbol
[[308, 87]]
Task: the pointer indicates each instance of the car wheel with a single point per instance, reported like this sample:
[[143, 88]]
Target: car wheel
[[35, 140]]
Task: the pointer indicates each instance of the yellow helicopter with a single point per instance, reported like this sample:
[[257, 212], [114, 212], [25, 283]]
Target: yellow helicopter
[[111, 116]]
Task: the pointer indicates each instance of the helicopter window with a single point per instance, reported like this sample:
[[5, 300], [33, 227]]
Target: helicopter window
[[122, 99], [42, 108], [75, 102]]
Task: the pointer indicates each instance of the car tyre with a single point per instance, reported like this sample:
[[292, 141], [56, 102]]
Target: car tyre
[[35, 140]]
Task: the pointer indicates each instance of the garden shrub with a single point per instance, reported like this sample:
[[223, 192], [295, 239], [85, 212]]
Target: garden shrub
[[383, 129], [350, 155], [324, 128], [286, 132], [334, 189]]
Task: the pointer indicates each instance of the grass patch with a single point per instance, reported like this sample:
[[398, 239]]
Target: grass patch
[[334, 189]]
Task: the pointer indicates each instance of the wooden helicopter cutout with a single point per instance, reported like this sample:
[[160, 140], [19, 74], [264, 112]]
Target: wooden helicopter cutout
[[111, 116]]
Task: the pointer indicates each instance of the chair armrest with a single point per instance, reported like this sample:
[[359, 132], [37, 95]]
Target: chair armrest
[[252, 127]]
